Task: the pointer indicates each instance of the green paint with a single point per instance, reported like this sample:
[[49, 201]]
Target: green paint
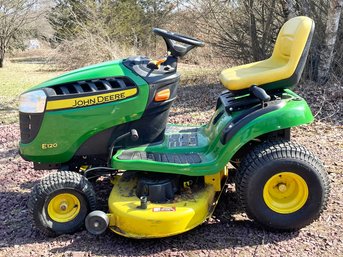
[[215, 155], [102, 70], [70, 128]]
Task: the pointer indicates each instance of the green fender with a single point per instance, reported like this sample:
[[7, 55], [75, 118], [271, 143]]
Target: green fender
[[294, 111], [292, 114]]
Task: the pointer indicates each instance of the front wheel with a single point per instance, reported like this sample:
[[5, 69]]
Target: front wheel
[[282, 185], [60, 203]]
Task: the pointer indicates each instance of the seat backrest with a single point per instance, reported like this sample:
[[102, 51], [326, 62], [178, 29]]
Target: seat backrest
[[291, 47]]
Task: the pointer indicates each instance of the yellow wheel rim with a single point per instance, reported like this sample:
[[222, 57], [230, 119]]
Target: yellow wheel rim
[[285, 192], [64, 207]]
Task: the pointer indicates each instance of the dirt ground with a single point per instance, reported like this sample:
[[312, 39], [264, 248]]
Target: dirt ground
[[228, 233]]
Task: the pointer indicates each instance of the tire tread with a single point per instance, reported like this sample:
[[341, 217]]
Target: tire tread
[[52, 183], [277, 149]]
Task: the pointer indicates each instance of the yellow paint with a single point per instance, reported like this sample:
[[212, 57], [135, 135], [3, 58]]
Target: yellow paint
[[63, 207], [49, 146], [84, 168], [90, 100], [216, 179], [288, 49], [158, 220], [285, 192]]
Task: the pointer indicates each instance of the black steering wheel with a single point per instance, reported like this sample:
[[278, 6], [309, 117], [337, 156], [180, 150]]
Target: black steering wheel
[[176, 49]]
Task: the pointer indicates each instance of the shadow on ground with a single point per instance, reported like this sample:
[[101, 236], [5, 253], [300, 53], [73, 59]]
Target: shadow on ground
[[31, 60], [228, 229], [222, 231]]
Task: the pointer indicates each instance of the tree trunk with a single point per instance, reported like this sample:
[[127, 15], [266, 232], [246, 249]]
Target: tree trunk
[[2, 52], [327, 54], [304, 7], [2, 56], [288, 8], [253, 33]]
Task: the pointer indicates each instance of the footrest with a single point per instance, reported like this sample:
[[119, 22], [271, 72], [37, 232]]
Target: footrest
[[190, 158]]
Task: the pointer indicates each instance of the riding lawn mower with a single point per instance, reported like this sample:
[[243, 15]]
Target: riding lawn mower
[[110, 120]]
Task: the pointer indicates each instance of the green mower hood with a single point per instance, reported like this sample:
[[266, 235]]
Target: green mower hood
[[101, 70]]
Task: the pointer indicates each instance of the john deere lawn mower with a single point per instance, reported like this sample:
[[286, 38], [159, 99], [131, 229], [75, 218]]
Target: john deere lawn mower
[[110, 120]]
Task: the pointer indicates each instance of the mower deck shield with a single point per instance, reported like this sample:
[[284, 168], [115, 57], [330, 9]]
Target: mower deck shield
[[185, 212]]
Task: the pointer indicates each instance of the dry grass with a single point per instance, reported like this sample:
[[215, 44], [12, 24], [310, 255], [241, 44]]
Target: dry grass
[[228, 233], [29, 69], [16, 77]]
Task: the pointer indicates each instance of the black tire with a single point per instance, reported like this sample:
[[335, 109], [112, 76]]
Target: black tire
[[63, 182], [274, 159]]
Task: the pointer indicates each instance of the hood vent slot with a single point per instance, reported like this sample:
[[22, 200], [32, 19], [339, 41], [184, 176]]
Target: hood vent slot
[[91, 86]]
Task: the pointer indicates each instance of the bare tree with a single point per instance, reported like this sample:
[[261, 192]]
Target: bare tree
[[14, 16], [327, 54], [239, 30], [288, 7], [78, 51]]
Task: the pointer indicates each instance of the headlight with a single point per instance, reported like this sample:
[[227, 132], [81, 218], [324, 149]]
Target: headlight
[[32, 102]]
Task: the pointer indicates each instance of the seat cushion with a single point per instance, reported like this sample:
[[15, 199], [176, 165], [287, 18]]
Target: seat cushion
[[257, 73], [285, 65]]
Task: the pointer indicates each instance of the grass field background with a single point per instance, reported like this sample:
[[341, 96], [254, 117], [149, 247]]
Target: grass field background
[[15, 78], [229, 232], [19, 75]]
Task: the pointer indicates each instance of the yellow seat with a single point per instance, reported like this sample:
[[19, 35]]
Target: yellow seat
[[283, 69]]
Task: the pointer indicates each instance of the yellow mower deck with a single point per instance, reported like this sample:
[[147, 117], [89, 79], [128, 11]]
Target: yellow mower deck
[[187, 211]]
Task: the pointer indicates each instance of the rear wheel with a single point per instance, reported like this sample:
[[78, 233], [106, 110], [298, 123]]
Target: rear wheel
[[282, 185], [60, 203]]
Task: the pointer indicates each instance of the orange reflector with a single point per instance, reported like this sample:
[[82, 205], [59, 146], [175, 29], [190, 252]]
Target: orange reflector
[[160, 61], [162, 95]]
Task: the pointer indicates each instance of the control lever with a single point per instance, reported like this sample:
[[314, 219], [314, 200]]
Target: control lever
[[155, 64], [260, 93], [133, 134]]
